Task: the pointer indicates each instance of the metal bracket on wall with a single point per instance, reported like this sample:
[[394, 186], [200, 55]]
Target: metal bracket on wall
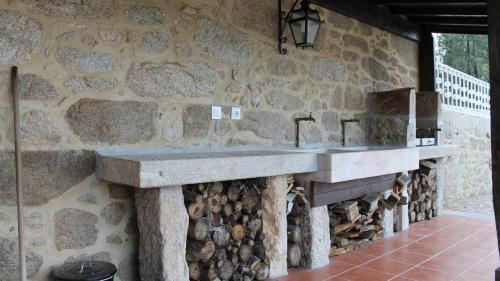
[[282, 20]]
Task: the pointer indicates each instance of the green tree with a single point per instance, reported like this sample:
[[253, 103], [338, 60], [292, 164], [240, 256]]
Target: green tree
[[465, 52]]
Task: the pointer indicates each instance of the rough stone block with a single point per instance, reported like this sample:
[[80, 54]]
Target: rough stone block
[[39, 128], [34, 87], [166, 79], [146, 15], [154, 42], [320, 236], [223, 44], [84, 60], [113, 122], [20, 37], [90, 84], [328, 68], [269, 125], [113, 213], [284, 101], [9, 260], [250, 14], [90, 9], [375, 69], [46, 174], [274, 225], [74, 229], [196, 120], [163, 223]]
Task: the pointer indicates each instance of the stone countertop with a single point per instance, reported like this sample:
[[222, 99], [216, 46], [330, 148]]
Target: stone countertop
[[437, 151], [156, 167]]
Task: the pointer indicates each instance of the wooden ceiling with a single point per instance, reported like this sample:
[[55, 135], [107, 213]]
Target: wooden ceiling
[[441, 16]]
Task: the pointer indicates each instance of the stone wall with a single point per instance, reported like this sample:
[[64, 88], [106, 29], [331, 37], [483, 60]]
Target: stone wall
[[116, 72], [468, 172]]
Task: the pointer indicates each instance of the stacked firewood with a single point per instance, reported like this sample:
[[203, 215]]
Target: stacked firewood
[[299, 242], [355, 223], [423, 193], [225, 240]]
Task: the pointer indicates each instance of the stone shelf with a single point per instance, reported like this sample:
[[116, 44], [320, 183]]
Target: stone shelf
[[157, 167], [437, 151]]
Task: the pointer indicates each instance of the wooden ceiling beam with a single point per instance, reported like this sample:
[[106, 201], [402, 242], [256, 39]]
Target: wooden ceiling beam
[[371, 14], [441, 11], [457, 29], [467, 20]]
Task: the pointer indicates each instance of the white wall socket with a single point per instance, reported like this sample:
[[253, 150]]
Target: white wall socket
[[216, 112], [236, 113]]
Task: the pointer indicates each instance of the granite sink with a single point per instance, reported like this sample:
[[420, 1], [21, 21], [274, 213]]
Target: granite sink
[[350, 163]]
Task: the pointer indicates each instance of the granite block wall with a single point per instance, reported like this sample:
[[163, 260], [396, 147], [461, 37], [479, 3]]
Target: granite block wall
[[145, 73], [468, 172]]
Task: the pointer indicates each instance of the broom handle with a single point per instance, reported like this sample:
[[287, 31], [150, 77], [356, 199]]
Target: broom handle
[[19, 187]]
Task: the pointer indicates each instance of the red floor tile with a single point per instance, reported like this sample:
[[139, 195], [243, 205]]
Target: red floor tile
[[354, 258], [387, 266], [448, 248], [426, 274], [365, 274], [406, 257]]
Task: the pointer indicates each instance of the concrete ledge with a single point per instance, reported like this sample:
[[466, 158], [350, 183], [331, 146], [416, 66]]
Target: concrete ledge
[[148, 168], [437, 151]]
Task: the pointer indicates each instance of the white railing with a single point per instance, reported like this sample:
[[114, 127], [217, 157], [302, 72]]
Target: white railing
[[461, 92]]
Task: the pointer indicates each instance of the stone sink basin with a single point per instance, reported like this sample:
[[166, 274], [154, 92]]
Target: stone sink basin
[[350, 163]]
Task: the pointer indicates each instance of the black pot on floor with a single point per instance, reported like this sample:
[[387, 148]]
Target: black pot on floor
[[85, 271]]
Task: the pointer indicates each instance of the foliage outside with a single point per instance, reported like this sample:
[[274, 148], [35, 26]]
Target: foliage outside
[[465, 52]]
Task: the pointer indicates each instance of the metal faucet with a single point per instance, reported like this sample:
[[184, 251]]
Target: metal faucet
[[343, 121], [297, 122]]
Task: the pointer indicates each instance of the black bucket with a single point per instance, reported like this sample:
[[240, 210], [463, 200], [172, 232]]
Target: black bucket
[[85, 271]]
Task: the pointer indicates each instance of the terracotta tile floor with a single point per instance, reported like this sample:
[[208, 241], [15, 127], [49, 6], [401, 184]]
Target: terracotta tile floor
[[446, 248]]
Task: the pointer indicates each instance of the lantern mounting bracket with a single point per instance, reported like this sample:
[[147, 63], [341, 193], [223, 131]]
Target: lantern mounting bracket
[[282, 20]]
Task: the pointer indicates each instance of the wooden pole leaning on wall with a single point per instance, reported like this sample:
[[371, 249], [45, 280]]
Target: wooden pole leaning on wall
[[19, 187]]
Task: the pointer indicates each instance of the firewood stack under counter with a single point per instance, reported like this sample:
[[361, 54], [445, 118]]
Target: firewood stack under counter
[[225, 240]]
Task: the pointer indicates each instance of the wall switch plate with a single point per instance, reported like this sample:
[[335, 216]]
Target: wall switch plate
[[216, 112], [236, 113]]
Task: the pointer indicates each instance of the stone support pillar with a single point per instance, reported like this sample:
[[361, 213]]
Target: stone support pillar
[[274, 225], [388, 219], [403, 209], [320, 236], [440, 183], [163, 223]]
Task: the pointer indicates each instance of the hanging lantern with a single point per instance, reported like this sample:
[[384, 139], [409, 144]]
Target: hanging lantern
[[304, 23]]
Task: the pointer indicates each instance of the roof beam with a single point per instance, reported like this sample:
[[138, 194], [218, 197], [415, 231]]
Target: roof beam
[[430, 3], [441, 11], [371, 14], [449, 20], [457, 29]]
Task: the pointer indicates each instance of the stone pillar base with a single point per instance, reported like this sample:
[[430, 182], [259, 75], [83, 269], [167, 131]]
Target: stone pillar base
[[274, 225], [320, 236], [388, 219], [163, 223]]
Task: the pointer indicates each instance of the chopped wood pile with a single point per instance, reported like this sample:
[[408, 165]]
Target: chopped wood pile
[[423, 193], [356, 223], [299, 242], [225, 240]]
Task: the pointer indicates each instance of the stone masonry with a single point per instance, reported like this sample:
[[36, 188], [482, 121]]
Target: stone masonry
[[116, 72]]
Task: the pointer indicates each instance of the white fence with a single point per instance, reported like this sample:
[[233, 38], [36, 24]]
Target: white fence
[[461, 92]]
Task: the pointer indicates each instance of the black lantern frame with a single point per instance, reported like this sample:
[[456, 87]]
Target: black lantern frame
[[305, 17]]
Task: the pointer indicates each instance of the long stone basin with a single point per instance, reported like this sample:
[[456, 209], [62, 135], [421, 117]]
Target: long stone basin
[[158, 167], [349, 163]]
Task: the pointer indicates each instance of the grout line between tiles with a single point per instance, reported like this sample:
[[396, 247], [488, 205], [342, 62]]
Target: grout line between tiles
[[390, 252], [476, 263], [455, 244]]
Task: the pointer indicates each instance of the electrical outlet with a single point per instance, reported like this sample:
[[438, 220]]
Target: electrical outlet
[[236, 113], [216, 113]]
